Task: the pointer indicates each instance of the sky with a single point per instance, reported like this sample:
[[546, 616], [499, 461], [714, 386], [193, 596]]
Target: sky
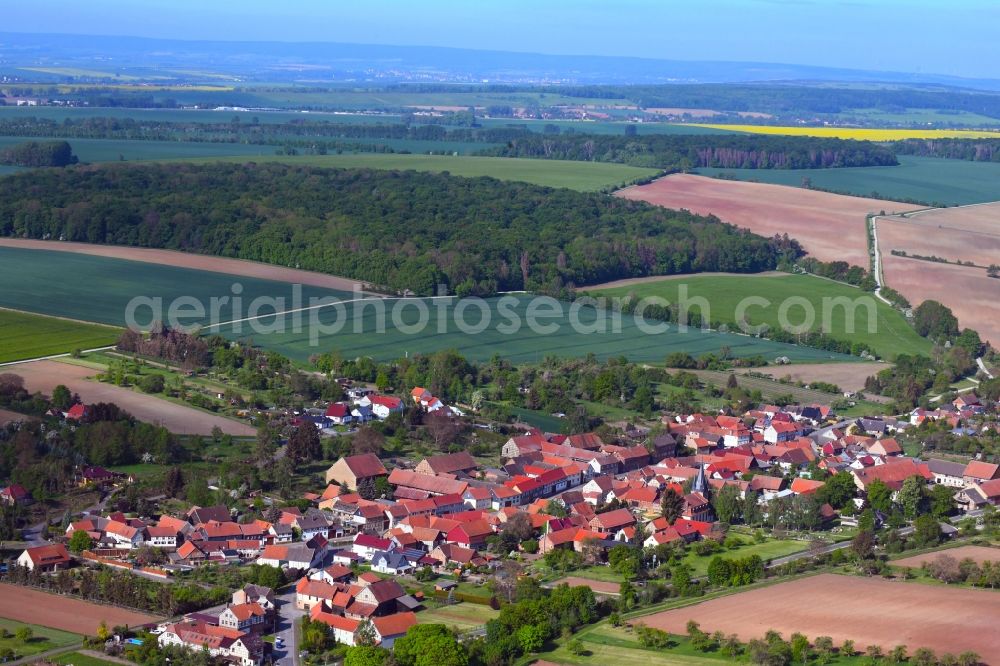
[[954, 37]]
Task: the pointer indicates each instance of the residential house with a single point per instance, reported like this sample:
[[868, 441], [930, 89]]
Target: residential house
[[255, 594], [610, 522], [391, 562], [383, 405], [50, 557], [390, 627], [231, 645], [243, 617], [978, 471], [15, 493], [947, 473], [338, 414]]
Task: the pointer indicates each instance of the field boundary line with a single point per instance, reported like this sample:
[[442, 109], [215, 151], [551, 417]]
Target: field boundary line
[[69, 319], [56, 356]]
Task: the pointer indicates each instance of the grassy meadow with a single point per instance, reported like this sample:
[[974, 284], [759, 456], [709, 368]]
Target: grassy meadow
[[43, 639], [582, 176], [27, 335], [930, 179], [99, 289], [891, 335], [115, 150]]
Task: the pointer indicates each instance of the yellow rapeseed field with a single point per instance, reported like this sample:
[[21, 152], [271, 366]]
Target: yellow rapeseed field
[[859, 133]]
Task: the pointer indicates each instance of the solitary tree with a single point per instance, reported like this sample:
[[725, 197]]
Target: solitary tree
[[672, 505]]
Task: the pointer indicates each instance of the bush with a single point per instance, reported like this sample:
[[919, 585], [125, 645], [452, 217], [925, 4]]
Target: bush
[[152, 384]]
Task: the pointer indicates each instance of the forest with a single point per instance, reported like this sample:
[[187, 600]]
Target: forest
[[34, 154], [401, 231], [684, 152], [973, 150]]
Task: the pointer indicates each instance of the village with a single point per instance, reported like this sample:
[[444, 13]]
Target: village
[[368, 554]]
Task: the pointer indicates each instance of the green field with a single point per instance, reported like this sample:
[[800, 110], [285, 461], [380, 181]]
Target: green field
[[891, 335], [100, 289], [583, 176], [43, 640], [927, 179], [768, 550], [30, 336], [60, 113], [114, 150]]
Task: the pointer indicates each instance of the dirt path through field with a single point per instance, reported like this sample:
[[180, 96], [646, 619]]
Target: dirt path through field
[[199, 262], [45, 375], [65, 613]]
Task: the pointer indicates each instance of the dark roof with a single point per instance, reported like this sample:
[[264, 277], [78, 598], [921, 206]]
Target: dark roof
[[207, 514], [365, 465]]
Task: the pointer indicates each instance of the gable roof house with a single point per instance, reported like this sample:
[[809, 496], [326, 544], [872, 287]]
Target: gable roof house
[[447, 463], [50, 557], [352, 469], [391, 562]]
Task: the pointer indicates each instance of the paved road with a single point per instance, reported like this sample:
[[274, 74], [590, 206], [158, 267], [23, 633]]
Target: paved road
[[288, 617]]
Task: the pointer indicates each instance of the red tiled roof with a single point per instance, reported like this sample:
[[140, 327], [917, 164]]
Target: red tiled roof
[[365, 465], [49, 554], [396, 624]]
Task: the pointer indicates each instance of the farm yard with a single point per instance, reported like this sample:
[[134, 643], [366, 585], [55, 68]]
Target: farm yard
[[180, 419], [978, 554], [27, 335], [869, 611], [582, 176], [891, 333], [64, 613], [930, 179], [831, 227], [102, 287]]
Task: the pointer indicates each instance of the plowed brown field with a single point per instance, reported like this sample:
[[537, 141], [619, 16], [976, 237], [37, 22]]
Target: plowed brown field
[[831, 227], [869, 611], [66, 613]]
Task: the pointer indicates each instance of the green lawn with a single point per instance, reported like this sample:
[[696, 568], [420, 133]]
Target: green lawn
[[43, 640], [27, 335], [865, 319], [77, 659], [463, 616], [583, 176], [770, 549], [928, 179]]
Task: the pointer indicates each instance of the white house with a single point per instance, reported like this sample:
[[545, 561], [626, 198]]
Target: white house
[[391, 563]]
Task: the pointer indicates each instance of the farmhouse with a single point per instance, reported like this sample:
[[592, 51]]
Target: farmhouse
[[447, 463], [352, 469]]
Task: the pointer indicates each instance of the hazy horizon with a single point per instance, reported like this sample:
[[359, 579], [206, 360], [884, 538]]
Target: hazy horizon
[[882, 35]]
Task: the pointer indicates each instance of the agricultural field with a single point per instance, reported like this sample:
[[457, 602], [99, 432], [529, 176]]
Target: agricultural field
[[64, 613], [506, 333], [28, 335], [887, 332], [979, 554], [178, 418], [848, 376], [929, 179], [831, 227], [582, 176], [116, 150], [859, 133], [921, 117], [869, 611], [43, 639], [102, 288], [954, 234]]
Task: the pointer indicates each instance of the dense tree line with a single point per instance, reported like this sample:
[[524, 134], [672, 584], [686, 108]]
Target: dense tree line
[[974, 150], [685, 152], [403, 231], [34, 154]]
